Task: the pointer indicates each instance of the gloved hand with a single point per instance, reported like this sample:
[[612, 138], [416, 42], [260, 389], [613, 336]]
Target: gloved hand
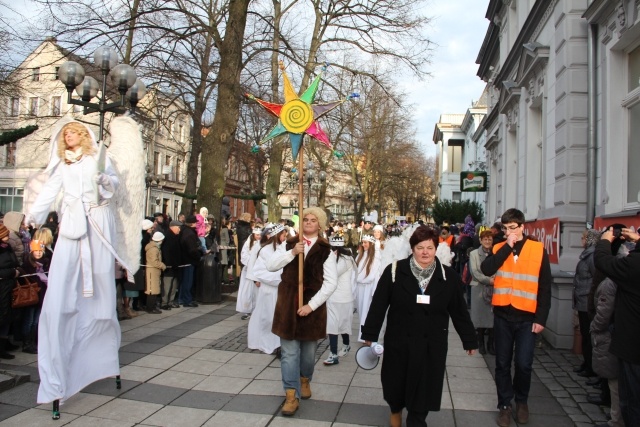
[[104, 180]]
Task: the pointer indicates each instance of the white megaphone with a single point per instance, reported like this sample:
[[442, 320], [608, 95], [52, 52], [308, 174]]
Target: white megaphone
[[368, 357]]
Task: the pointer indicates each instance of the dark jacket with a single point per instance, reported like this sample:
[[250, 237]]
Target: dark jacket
[[171, 253], [190, 245], [286, 322], [415, 342], [8, 266], [493, 263], [583, 279], [243, 231], [625, 272], [604, 363]]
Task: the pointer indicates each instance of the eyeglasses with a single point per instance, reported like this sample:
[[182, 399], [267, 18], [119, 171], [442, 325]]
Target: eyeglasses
[[511, 228]]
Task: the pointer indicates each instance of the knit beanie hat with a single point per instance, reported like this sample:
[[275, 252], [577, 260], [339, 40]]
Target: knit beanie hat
[[4, 231]]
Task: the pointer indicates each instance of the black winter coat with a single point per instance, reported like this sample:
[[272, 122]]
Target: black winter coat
[[604, 363], [190, 246], [243, 231], [625, 272], [415, 343], [8, 266]]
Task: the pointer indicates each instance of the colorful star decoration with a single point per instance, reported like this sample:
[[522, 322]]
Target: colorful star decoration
[[298, 115]]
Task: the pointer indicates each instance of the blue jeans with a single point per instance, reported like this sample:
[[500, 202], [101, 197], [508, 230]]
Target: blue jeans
[[30, 317], [297, 359], [506, 335], [629, 389], [186, 284]]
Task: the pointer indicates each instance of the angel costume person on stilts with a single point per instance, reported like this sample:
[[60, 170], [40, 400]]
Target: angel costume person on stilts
[[79, 334]]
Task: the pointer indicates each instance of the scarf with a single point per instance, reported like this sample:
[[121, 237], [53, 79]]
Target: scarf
[[72, 156], [422, 275]]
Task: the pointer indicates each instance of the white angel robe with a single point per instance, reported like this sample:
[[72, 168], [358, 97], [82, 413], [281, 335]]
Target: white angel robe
[[247, 290], [78, 333], [259, 336], [366, 286], [340, 303]]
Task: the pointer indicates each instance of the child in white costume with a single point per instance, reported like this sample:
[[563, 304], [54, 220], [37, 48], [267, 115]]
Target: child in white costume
[[368, 268], [247, 289], [340, 303], [260, 336], [79, 334]]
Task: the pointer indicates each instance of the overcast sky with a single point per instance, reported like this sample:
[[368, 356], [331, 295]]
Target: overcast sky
[[458, 28]]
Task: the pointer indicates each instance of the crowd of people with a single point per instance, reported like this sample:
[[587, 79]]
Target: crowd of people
[[492, 282], [606, 298]]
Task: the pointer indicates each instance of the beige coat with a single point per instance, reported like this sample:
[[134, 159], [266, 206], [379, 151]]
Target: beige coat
[[155, 267]]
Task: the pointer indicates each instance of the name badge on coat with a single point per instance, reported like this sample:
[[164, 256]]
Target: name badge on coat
[[423, 299]]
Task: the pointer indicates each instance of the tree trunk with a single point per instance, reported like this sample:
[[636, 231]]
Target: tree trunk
[[216, 146], [275, 160]]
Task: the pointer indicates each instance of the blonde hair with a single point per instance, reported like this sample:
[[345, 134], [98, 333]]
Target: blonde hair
[[85, 139], [44, 235]]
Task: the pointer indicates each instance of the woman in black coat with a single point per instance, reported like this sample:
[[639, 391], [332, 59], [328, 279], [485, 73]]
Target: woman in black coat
[[8, 273], [421, 295]]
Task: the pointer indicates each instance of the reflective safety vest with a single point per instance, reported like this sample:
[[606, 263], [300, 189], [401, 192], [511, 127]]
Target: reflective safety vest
[[516, 282], [448, 240]]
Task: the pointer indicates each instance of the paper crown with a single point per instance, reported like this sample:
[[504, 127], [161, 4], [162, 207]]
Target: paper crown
[[277, 228], [368, 238], [336, 241], [36, 245], [257, 230]]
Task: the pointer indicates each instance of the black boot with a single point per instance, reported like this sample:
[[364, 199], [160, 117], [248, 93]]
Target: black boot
[[3, 351], [491, 349], [480, 334], [151, 305], [29, 344]]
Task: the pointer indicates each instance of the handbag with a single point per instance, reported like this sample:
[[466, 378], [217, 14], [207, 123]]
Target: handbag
[[25, 295]]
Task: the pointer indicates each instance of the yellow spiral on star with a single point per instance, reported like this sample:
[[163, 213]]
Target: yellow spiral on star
[[296, 116]]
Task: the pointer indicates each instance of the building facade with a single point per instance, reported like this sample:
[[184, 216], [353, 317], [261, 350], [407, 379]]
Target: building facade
[[563, 85], [36, 96]]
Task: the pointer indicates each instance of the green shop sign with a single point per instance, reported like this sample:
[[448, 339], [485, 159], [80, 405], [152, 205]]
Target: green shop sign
[[473, 181]]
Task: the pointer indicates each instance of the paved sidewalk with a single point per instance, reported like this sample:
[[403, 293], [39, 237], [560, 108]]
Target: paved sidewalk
[[191, 367]]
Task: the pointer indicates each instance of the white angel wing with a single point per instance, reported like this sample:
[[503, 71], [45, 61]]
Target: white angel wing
[[395, 248], [127, 157], [444, 254]]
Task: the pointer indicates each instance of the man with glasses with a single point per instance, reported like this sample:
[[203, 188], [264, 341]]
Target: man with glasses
[[521, 302]]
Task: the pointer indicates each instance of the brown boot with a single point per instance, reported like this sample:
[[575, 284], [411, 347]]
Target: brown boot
[[291, 403], [396, 419], [504, 418], [522, 413], [305, 388], [129, 312]]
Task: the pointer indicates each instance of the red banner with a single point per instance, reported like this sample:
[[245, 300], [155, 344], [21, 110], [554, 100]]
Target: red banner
[[546, 231], [632, 222]]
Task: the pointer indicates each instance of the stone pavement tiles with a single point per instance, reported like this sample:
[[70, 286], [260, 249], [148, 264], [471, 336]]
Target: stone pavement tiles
[[191, 367]]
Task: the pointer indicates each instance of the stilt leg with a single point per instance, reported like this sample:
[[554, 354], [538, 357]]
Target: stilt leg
[[55, 415], [118, 382]]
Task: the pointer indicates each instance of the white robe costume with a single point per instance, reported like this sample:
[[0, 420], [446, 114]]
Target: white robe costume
[[259, 336], [78, 334], [247, 289], [366, 286], [340, 303]]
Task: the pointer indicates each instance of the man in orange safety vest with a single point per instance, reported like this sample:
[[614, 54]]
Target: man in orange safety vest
[[521, 302]]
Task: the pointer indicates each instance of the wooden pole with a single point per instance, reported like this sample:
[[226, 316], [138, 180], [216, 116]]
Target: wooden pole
[[300, 221]]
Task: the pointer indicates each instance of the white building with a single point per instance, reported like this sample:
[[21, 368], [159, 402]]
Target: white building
[[561, 130]]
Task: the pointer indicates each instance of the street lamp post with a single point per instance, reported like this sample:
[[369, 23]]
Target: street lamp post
[[151, 180], [355, 196], [123, 76], [309, 174]]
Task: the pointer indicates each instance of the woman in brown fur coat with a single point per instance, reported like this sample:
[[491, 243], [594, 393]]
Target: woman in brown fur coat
[[300, 328]]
